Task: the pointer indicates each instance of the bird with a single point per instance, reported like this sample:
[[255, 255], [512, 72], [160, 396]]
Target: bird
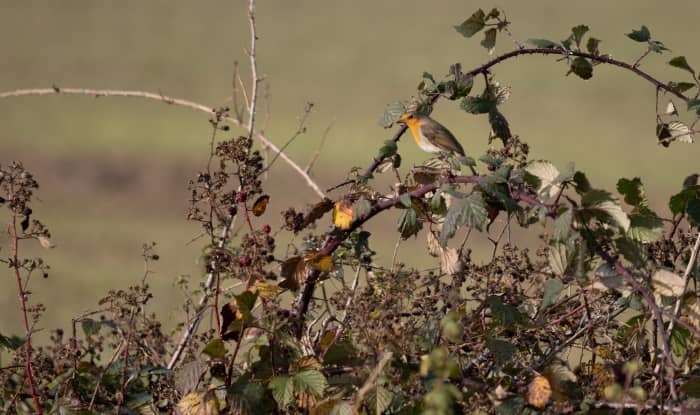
[[430, 135]]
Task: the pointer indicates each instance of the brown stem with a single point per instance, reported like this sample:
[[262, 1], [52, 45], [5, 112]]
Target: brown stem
[[23, 305]]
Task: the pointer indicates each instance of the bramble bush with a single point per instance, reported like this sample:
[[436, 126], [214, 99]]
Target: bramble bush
[[601, 315]]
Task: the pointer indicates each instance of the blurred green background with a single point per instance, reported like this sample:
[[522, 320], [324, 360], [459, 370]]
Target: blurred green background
[[114, 171]]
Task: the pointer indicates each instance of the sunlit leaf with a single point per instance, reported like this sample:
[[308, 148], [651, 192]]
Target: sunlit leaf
[[343, 214], [282, 388], [392, 113], [310, 381], [215, 349], [198, 403], [539, 391], [667, 283], [260, 205]]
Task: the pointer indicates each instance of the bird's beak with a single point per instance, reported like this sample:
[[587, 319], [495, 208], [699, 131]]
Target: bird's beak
[[400, 121]]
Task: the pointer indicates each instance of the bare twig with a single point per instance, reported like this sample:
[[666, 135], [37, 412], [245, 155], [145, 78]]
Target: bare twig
[[371, 379], [172, 101], [194, 323], [686, 279], [23, 305], [253, 70], [317, 152]]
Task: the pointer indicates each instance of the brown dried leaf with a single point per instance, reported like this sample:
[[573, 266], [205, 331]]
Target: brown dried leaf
[[293, 273]]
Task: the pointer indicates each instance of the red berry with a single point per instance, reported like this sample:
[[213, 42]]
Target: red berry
[[266, 229], [244, 261]]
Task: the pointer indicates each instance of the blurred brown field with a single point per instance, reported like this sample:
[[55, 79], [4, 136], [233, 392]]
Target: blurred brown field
[[114, 170]]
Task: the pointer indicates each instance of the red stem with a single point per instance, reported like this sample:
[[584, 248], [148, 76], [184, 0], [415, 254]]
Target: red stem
[[23, 305]]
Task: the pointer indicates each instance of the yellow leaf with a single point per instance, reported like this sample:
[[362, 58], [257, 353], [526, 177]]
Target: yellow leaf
[[323, 263], [327, 340], [538, 392], [260, 205], [198, 403], [266, 290], [342, 214]]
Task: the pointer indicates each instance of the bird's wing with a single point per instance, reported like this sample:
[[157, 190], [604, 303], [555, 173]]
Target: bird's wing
[[445, 139]]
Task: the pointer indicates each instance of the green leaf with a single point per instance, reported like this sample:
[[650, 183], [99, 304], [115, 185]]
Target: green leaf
[[694, 105], [582, 67], [504, 314], [392, 113], [215, 349], [681, 63], [409, 224], [388, 149], [645, 228], [11, 343], [558, 256], [602, 205], [511, 406], [499, 125], [379, 398], [310, 381], [633, 251], [473, 24], [245, 302], [489, 41], [361, 208], [693, 211], [502, 350], [680, 341], [682, 87], [578, 32], [90, 327], [656, 46], [609, 277], [427, 75], [544, 44], [641, 35], [282, 390], [562, 225], [547, 174], [552, 289], [582, 183], [678, 202], [477, 105], [592, 46], [633, 192], [405, 200], [467, 211]]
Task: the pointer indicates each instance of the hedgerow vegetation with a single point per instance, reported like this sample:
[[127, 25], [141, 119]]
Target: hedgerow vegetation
[[601, 315]]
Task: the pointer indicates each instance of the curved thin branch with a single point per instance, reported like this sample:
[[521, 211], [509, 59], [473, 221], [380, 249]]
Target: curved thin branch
[[168, 100], [483, 69], [334, 239]]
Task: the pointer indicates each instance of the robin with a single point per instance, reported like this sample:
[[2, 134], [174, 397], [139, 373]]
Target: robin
[[430, 135]]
